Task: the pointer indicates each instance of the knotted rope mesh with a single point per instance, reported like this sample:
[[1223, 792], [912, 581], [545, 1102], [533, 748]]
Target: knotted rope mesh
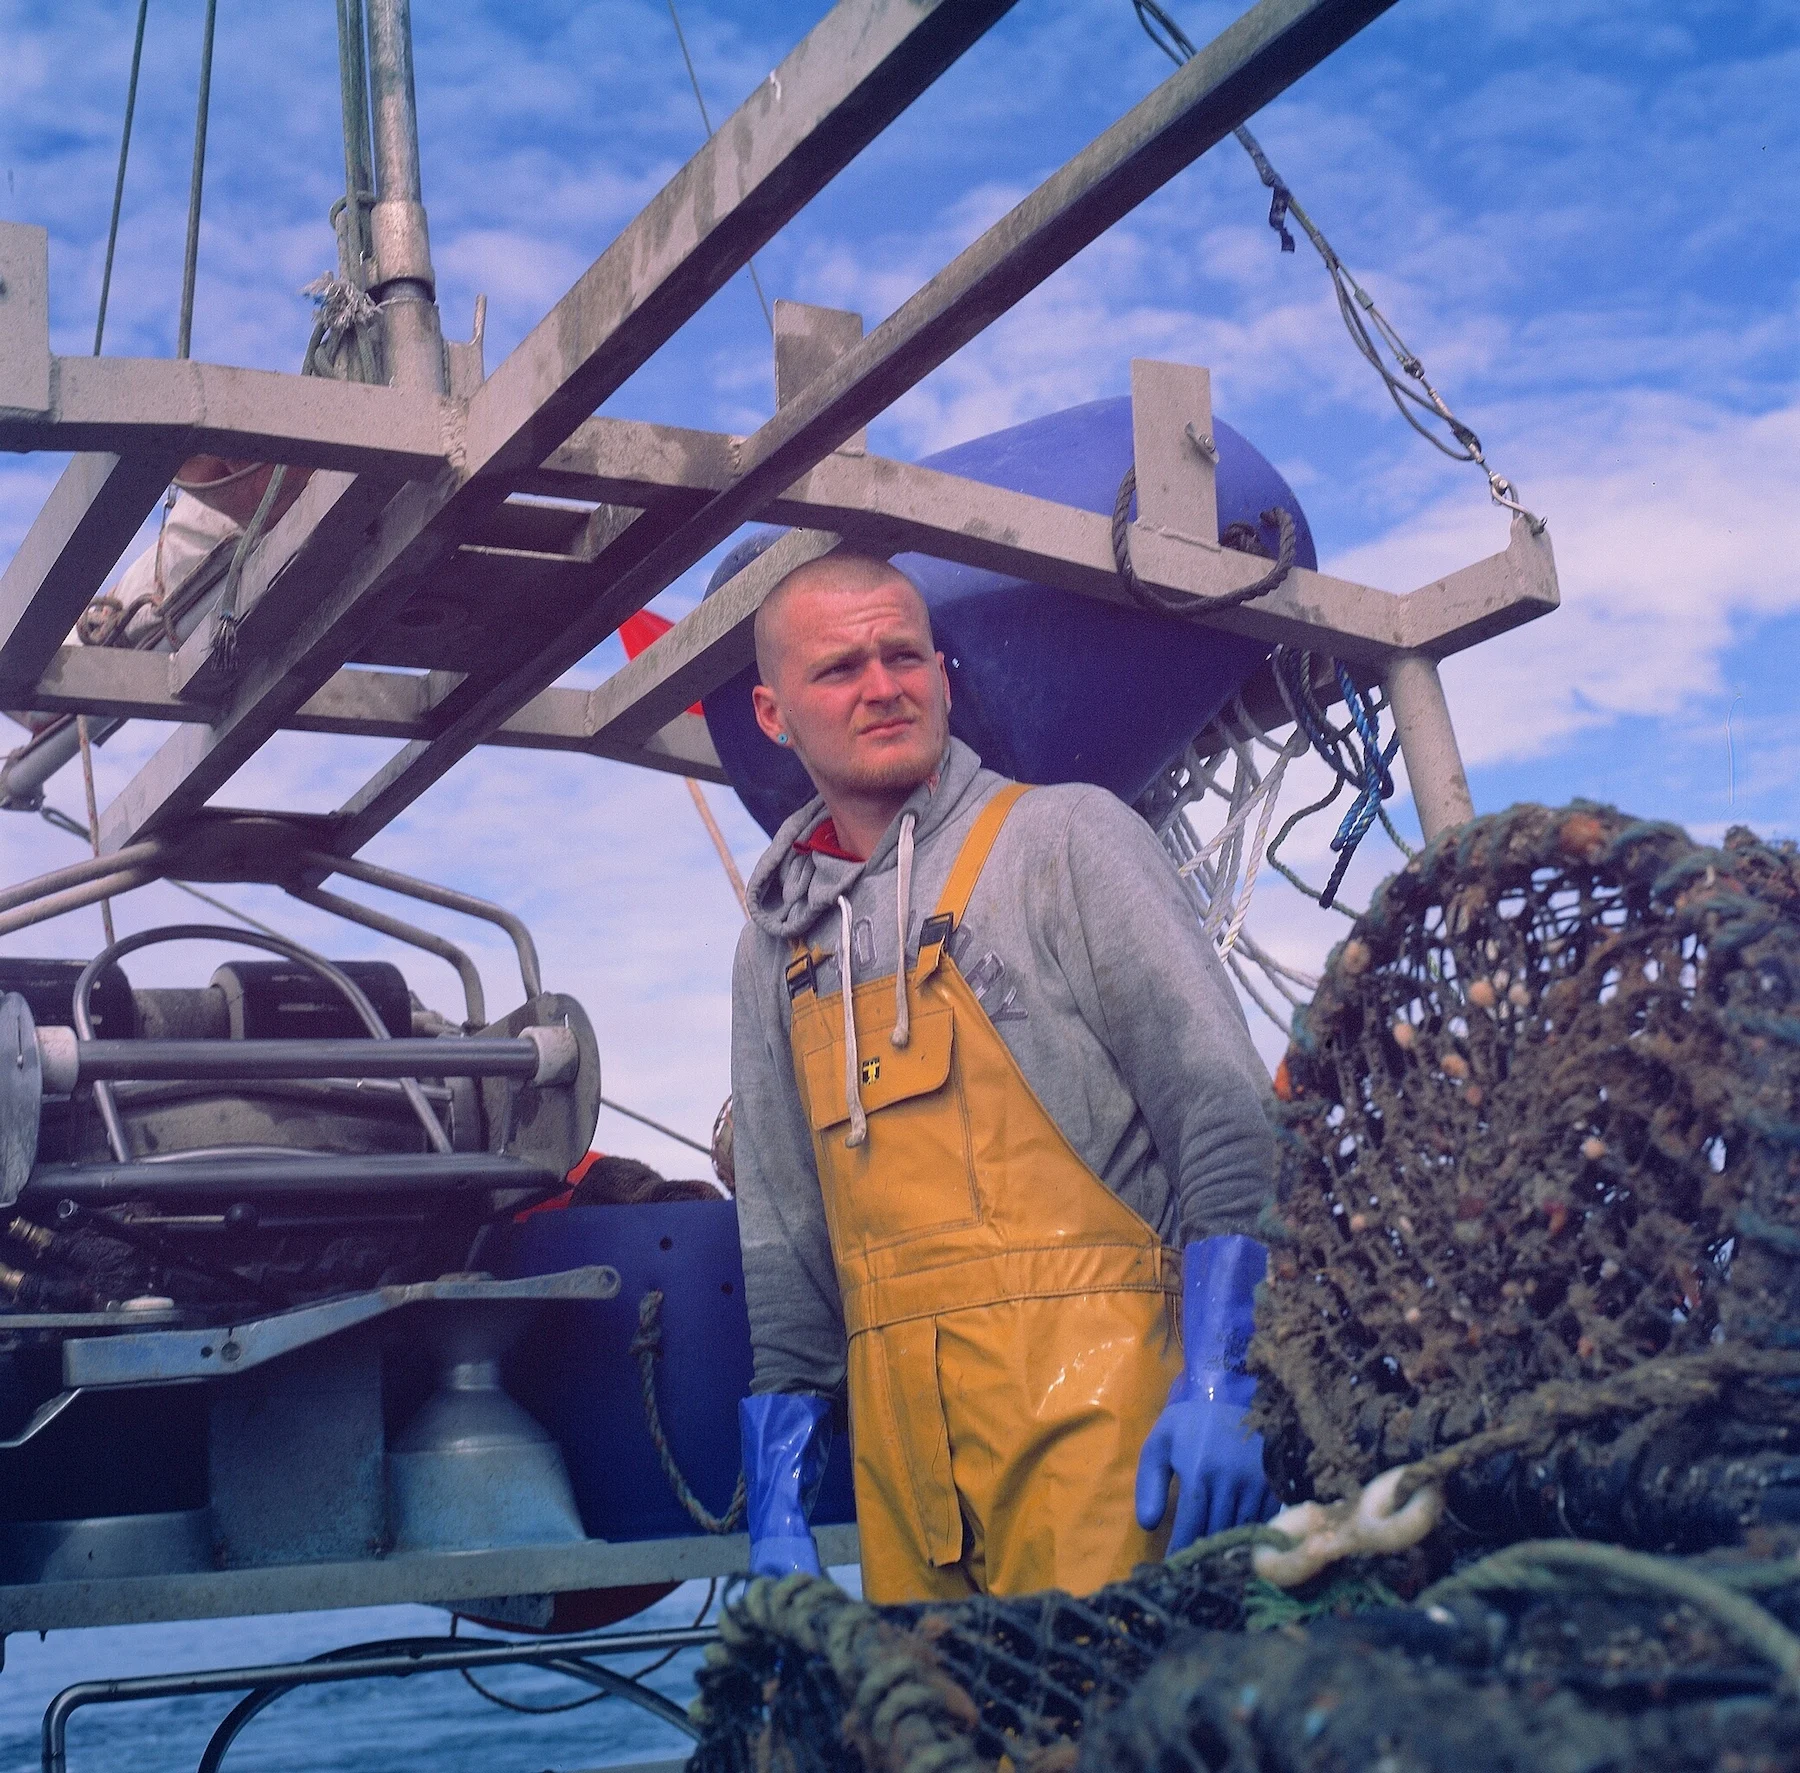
[[1542, 1185], [1181, 1670]]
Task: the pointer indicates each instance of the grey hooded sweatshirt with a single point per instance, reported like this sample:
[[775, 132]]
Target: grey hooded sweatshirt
[[1085, 952]]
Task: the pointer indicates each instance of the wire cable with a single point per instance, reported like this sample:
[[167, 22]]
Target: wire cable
[[1411, 390], [667, 1132], [190, 263], [118, 203], [544, 1711], [705, 118]]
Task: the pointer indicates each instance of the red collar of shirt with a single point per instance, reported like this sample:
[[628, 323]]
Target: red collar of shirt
[[823, 840]]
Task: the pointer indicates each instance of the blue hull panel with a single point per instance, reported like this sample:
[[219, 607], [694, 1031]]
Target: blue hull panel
[[578, 1376]]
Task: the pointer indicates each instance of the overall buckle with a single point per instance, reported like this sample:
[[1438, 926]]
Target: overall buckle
[[934, 932]]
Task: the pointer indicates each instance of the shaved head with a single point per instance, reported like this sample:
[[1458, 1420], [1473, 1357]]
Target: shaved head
[[835, 573], [853, 682]]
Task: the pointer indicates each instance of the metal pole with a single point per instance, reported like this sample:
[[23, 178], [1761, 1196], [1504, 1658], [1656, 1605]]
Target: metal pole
[[401, 1657], [405, 287], [1428, 743]]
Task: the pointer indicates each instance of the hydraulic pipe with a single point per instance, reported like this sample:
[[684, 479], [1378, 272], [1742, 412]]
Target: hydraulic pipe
[[358, 1175], [25, 772], [112, 883], [78, 873], [354, 866], [117, 1061], [352, 993], [474, 998]]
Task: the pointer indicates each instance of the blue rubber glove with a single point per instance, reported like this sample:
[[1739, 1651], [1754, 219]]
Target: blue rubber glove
[[1199, 1440], [786, 1437]]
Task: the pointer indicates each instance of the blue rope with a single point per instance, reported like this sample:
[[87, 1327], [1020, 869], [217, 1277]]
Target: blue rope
[[1369, 774]]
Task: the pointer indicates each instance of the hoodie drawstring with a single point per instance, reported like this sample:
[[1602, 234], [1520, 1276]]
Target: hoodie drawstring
[[859, 1122], [903, 897]]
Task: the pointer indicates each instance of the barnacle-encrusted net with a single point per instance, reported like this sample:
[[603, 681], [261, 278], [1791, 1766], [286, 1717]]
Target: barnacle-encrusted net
[[1542, 1202], [1541, 1144]]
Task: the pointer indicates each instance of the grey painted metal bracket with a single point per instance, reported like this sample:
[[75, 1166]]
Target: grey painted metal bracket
[[24, 320], [1173, 450], [161, 1356], [808, 341], [443, 1579], [341, 561]]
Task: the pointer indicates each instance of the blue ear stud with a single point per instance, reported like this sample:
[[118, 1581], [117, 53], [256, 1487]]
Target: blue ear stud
[[781, 738]]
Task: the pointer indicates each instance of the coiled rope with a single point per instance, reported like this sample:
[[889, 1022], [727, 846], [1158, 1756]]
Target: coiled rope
[[646, 1345], [1195, 609]]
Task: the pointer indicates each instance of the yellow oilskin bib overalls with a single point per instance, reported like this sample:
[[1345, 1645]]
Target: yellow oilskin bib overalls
[[1012, 1324]]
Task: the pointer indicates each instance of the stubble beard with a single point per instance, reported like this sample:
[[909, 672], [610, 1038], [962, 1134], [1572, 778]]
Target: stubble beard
[[904, 771]]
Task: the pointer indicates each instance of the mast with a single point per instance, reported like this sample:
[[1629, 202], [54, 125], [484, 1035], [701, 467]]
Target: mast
[[404, 287]]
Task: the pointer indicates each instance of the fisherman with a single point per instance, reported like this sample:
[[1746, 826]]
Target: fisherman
[[960, 1200]]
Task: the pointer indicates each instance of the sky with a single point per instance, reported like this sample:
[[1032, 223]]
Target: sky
[[1579, 214]]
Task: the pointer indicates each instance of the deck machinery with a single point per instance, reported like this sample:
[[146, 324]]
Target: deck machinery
[[297, 1106]]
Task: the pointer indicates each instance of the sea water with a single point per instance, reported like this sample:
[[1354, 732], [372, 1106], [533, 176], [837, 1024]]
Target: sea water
[[433, 1721]]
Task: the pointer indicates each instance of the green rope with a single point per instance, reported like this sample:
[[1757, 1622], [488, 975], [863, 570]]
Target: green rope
[[1281, 837], [647, 1346], [191, 260], [1562, 1564], [112, 231]]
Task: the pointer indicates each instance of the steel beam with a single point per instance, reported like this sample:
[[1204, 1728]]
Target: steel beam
[[856, 71], [1434, 765], [850, 77], [1072, 550], [434, 1577], [808, 340], [136, 403], [1234, 76], [24, 319], [358, 703], [328, 583], [1490, 597], [74, 542]]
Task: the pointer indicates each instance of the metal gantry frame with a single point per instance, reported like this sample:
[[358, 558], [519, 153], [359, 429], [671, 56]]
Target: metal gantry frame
[[412, 482]]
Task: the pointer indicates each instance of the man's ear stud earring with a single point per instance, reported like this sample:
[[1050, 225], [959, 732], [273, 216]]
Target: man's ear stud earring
[[781, 738]]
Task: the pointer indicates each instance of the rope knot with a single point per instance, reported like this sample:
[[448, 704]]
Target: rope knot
[[1197, 609], [648, 1340]]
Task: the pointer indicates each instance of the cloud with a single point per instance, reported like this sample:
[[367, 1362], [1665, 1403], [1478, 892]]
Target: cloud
[[1673, 525]]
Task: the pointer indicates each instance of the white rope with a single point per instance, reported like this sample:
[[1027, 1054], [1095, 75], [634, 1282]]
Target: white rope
[[1220, 872]]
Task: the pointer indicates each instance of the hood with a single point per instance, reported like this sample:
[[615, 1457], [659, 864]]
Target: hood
[[790, 889]]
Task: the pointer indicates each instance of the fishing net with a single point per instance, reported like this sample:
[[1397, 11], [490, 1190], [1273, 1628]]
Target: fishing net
[[1541, 1195], [1194, 1667]]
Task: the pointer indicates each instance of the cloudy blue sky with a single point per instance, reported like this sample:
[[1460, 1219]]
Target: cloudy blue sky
[[1581, 214]]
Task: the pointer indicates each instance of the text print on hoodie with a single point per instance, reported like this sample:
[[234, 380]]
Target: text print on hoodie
[[1086, 954]]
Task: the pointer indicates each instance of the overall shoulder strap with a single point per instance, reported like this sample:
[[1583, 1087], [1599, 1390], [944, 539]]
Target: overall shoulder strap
[[966, 869]]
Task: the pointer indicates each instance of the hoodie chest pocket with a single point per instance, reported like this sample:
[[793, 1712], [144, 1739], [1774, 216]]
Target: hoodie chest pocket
[[913, 1173]]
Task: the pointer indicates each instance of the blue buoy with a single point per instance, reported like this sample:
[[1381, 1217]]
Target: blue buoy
[[1047, 685]]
